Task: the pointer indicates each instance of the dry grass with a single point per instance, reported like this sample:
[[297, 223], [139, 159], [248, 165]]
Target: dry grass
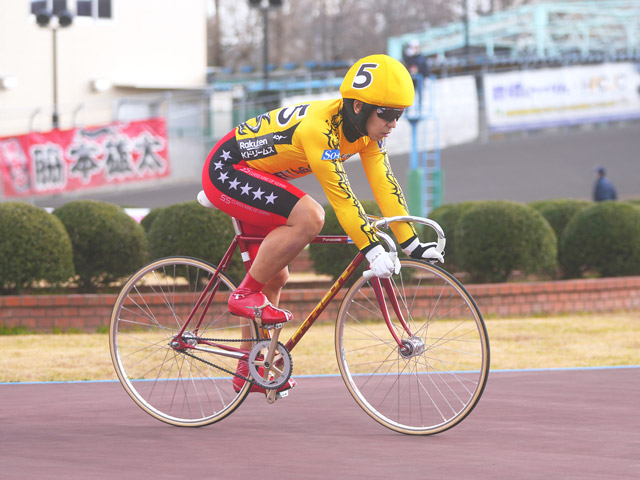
[[550, 342], [573, 341], [40, 357]]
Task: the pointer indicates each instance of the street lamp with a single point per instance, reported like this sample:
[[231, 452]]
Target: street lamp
[[64, 18], [264, 6]]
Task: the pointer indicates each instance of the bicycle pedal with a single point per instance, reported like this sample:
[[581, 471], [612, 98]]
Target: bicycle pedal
[[273, 397], [272, 326]]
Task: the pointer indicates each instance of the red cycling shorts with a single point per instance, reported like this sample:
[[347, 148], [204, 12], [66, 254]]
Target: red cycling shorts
[[255, 198]]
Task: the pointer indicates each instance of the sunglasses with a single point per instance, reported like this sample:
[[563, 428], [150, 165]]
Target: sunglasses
[[389, 114]]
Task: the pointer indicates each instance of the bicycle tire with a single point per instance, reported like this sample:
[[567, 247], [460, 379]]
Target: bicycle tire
[[165, 382], [428, 392]]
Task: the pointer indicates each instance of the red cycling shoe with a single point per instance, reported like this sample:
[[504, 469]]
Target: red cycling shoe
[[255, 306], [243, 369]]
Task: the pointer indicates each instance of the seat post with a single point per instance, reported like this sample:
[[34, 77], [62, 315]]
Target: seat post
[[237, 226], [244, 253]]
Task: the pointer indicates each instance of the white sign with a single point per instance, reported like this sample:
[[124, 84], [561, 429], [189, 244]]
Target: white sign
[[562, 96]]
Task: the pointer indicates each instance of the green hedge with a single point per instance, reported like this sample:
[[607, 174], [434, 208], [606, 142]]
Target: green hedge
[[496, 238], [333, 259], [603, 239], [107, 243], [34, 247], [99, 243], [149, 218], [190, 229], [559, 212]]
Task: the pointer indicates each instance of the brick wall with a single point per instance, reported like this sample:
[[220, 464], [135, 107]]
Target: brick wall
[[88, 312], [567, 296]]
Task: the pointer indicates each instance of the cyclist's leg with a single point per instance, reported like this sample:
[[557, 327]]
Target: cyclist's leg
[[284, 243], [254, 198], [259, 198], [272, 291], [277, 250], [274, 287]]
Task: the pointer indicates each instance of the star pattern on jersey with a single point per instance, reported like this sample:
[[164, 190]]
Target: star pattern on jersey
[[226, 155], [270, 198], [246, 189]]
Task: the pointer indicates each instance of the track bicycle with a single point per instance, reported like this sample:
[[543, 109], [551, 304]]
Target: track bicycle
[[412, 349]]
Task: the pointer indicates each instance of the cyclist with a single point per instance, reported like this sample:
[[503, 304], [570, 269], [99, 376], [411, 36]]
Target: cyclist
[[247, 175]]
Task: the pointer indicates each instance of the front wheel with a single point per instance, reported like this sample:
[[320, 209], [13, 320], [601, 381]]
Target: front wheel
[[434, 380], [185, 381]]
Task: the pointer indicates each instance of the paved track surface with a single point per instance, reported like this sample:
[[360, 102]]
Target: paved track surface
[[522, 168], [561, 424]]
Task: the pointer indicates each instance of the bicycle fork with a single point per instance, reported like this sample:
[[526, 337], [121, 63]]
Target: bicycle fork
[[412, 345]]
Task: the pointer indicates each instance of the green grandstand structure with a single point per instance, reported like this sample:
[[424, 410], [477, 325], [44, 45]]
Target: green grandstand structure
[[567, 32], [531, 36]]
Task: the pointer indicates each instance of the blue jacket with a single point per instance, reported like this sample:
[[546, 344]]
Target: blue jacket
[[604, 190]]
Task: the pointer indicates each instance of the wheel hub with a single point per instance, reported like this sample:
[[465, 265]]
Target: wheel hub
[[411, 347], [188, 340]]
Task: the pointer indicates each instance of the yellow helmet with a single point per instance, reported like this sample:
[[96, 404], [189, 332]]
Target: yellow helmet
[[379, 80]]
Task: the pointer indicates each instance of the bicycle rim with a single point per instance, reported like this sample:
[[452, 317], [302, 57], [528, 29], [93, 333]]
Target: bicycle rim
[[426, 392], [165, 382]]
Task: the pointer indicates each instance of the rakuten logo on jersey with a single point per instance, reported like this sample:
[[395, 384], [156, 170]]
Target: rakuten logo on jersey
[[257, 147], [330, 155], [252, 144]]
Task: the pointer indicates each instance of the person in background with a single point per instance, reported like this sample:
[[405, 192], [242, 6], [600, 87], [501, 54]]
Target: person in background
[[414, 60], [603, 189]]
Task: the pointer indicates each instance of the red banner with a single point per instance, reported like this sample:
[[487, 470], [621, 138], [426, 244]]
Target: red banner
[[81, 158]]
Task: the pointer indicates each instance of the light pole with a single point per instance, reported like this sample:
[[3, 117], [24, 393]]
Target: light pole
[[466, 30], [264, 6], [64, 18]]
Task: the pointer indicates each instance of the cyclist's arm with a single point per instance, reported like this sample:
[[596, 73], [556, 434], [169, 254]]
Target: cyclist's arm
[[334, 182], [386, 189]]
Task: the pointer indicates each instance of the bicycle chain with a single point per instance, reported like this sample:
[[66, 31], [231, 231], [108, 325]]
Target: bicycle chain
[[235, 374], [219, 367]]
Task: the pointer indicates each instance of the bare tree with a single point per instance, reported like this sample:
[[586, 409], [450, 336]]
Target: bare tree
[[325, 30]]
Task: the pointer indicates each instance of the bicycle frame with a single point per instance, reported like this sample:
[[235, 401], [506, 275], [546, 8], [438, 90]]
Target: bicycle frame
[[243, 241]]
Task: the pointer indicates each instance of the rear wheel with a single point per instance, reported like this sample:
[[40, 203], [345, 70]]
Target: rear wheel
[[164, 375], [434, 381]]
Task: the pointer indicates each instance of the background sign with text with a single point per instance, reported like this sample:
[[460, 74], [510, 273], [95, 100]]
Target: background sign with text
[[83, 158]]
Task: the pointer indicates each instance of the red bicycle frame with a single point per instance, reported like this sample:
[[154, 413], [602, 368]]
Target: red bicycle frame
[[243, 241]]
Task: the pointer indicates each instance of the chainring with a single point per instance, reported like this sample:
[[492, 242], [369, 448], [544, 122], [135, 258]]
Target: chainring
[[277, 374]]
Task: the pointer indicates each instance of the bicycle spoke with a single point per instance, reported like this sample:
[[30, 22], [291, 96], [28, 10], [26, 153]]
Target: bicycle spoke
[[164, 378], [440, 378]]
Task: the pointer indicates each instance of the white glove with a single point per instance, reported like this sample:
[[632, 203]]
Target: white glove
[[382, 263], [426, 251]]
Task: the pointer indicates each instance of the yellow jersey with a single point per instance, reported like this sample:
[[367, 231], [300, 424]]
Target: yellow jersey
[[297, 140]]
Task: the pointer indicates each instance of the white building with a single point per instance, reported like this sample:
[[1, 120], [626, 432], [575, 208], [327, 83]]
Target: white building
[[114, 49]]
